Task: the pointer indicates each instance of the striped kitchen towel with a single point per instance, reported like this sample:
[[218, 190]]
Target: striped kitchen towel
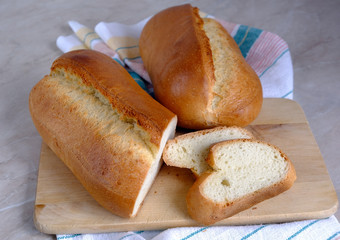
[[320, 229], [265, 52], [86, 38]]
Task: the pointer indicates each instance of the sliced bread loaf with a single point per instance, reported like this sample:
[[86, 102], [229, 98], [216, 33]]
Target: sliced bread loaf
[[103, 126], [245, 172], [190, 150]]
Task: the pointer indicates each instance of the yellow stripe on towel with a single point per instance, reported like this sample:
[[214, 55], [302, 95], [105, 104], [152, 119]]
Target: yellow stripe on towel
[[86, 35], [126, 47]]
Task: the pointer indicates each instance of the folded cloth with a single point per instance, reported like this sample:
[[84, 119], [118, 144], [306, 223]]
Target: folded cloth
[[69, 43], [267, 54], [325, 229], [86, 38]]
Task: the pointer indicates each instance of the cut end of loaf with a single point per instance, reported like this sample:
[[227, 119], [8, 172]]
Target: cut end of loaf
[[156, 165]]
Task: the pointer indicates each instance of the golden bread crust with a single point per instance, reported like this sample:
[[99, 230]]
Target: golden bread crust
[[181, 71], [91, 138], [178, 56], [125, 95]]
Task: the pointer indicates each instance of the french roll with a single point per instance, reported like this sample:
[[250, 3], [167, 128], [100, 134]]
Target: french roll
[[198, 71], [103, 126]]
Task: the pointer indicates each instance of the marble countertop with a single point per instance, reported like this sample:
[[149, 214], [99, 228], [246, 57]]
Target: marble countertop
[[28, 33]]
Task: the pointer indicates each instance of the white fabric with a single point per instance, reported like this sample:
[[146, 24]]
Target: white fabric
[[323, 229]]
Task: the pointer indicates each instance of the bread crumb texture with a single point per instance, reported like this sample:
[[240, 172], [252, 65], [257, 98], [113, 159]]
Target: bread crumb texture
[[242, 168], [223, 58], [191, 150]]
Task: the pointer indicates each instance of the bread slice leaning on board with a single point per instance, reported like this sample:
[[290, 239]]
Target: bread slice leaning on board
[[198, 71], [245, 172], [190, 150], [103, 126]]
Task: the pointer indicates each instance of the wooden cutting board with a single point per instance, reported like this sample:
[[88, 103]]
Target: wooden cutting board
[[63, 206]]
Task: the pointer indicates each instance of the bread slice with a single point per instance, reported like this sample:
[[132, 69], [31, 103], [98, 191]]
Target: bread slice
[[245, 172], [103, 126], [198, 71], [191, 150]]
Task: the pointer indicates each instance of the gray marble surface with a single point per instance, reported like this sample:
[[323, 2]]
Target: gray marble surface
[[27, 48]]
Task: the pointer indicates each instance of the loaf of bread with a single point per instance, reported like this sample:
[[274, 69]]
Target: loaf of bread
[[245, 172], [198, 71], [190, 150], [103, 126]]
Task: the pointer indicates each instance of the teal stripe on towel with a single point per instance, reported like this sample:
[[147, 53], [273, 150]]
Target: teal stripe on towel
[[240, 33], [287, 94], [194, 233], [138, 79], [246, 37], [127, 47], [67, 236], [333, 236], [253, 232], [118, 61], [92, 40], [249, 40], [285, 51], [303, 229], [88, 34]]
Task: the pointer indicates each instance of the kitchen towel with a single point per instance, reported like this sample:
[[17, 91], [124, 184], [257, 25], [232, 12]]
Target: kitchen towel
[[320, 229], [268, 55]]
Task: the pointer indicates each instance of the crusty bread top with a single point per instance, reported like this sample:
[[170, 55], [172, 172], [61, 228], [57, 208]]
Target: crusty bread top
[[97, 70], [198, 71], [191, 150], [174, 47], [237, 91]]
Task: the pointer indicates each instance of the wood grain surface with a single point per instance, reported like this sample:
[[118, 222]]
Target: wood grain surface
[[63, 206]]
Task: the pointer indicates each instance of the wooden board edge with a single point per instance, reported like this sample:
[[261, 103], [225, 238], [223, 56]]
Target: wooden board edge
[[42, 146], [50, 228]]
